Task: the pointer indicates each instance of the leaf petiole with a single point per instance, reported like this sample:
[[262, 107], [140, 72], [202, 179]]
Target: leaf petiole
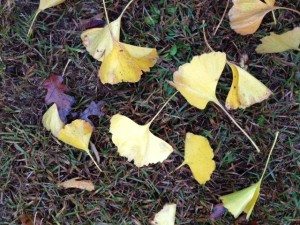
[[94, 161], [234, 121], [159, 111], [289, 9], [269, 156], [32, 22]]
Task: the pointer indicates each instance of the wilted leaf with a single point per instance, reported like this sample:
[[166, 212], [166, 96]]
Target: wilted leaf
[[77, 134], [280, 43], [199, 156], [245, 90], [197, 80], [126, 63], [217, 212], [99, 42], [246, 15], [166, 216], [93, 109], [136, 142], [56, 94], [44, 4], [245, 199], [76, 183], [52, 121]]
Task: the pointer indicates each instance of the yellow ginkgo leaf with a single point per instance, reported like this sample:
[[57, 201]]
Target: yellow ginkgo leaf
[[280, 42], [77, 134], [242, 201], [136, 142], [99, 41], [166, 216], [246, 15], [44, 4], [197, 80], [126, 63], [51, 120], [199, 156], [245, 89]]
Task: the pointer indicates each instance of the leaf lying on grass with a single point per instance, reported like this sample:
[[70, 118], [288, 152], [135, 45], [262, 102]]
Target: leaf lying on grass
[[51, 120], [197, 82], [166, 216], [77, 134], [76, 183], [275, 43], [245, 199], [199, 156], [44, 4], [120, 62], [126, 63], [136, 142], [246, 15], [93, 109], [99, 41], [245, 90], [56, 94]]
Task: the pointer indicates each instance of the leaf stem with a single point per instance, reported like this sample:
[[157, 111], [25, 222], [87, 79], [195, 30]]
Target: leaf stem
[[32, 22], [269, 156], [234, 121], [204, 35], [274, 17], [94, 161], [289, 9], [159, 111], [126, 7], [222, 18]]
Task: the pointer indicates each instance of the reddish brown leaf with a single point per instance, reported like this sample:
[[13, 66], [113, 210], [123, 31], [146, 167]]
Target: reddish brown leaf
[[56, 94], [93, 109]]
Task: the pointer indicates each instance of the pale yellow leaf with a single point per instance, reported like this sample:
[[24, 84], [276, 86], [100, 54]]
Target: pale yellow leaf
[[77, 134], [45, 4], [246, 15], [136, 142], [51, 120], [280, 42], [76, 183], [99, 42], [242, 201], [245, 90], [126, 63], [166, 216], [199, 156], [197, 80]]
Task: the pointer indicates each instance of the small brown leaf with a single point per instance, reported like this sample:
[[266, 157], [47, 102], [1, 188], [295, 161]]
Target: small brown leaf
[[26, 219], [80, 184]]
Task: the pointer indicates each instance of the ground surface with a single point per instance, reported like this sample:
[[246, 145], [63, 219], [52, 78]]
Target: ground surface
[[33, 162]]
